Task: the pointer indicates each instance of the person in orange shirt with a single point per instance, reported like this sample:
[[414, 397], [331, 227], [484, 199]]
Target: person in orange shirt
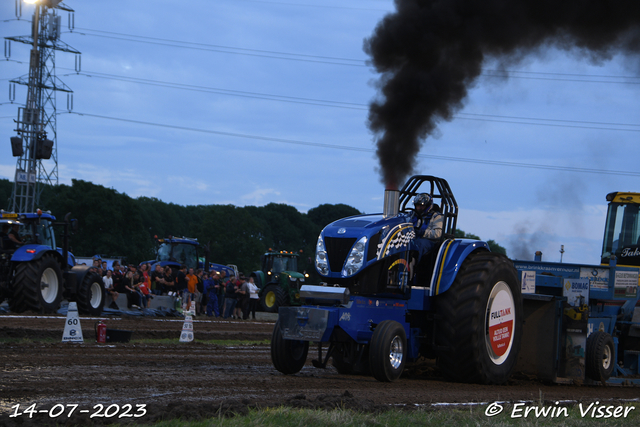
[[192, 287]]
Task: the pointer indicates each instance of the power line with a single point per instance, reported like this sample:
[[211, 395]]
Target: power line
[[512, 120], [222, 46], [368, 150], [604, 76], [532, 121], [233, 50], [204, 89], [506, 75], [502, 74], [317, 5]]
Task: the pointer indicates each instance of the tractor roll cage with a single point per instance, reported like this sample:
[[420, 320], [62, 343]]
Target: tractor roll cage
[[440, 192]]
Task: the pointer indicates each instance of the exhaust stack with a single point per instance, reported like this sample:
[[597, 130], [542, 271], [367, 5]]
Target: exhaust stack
[[391, 200]]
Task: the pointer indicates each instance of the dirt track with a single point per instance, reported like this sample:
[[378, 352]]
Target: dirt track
[[194, 380]]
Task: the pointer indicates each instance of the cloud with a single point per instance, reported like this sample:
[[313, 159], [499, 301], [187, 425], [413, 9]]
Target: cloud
[[258, 196]]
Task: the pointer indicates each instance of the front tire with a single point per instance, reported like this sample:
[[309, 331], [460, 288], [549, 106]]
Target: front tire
[[481, 321], [273, 298], [388, 351], [37, 286], [91, 294], [288, 356], [599, 357]]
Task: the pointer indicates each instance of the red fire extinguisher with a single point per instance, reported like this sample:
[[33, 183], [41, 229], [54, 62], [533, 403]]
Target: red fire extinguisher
[[101, 332]]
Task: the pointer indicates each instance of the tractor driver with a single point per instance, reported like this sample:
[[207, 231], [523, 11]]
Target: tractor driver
[[427, 223], [14, 235]]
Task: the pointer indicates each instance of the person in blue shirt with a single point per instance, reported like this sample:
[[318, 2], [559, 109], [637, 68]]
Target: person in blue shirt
[[211, 291]]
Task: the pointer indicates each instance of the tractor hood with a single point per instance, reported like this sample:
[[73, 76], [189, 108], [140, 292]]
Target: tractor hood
[[349, 245]]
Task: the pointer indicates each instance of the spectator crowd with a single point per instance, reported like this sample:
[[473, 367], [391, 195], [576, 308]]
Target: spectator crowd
[[212, 293]]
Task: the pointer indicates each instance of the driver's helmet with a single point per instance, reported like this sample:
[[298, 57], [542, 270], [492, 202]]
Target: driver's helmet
[[423, 202]]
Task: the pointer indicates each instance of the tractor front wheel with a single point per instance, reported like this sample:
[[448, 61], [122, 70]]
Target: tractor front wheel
[[599, 356], [273, 298], [37, 285], [387, 351], [91, 294], [480, 327], [288, 356]]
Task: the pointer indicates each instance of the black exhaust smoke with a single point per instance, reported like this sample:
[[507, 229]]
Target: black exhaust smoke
[[430, 52]]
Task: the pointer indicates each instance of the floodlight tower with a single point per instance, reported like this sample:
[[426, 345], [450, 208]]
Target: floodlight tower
[[36, 122]]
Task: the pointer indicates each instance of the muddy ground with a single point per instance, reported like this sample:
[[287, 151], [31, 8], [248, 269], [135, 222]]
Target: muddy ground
[[197, 380]]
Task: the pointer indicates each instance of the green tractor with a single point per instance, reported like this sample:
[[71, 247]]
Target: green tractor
[[279, 281]]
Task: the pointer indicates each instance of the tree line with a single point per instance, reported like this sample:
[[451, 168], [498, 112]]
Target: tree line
[[115, 224]]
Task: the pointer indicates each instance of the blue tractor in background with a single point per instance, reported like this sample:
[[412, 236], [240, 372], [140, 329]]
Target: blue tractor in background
[[176, 251], [381, 306], [37, 275]]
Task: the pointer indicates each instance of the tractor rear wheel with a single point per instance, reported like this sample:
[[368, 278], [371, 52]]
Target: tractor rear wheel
[[388, 351], [37, 285], [599, 357], [273, 298], [480, 327], [91, 294], [288, 356]]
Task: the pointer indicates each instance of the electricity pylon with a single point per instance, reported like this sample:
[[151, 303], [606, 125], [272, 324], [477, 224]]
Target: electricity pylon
[[36, 122]]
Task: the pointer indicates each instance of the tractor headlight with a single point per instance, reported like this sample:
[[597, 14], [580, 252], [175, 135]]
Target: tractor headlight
[[355, 259], [322, 264]]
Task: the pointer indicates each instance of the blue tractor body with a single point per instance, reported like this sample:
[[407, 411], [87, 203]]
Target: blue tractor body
[[37, 274], [381, 304]]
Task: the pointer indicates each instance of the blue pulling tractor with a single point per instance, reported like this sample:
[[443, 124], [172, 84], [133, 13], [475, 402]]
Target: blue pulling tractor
[[380, 305], [479, 314], [37, 275]]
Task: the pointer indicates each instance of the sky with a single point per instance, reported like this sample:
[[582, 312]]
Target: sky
[[250, 102]]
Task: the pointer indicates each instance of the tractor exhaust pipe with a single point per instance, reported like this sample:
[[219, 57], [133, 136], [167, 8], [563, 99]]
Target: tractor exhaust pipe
[[391, 200]]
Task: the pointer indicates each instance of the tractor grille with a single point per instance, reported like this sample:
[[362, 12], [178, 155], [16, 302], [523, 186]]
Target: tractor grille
[[337, 251], [294, 283], [373, 246]]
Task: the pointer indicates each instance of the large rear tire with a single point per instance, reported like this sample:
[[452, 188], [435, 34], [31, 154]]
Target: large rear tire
[[91, 294], [288, 356], [273, 298], [599, 359], [480, 326], [37, 286], [388, 351]]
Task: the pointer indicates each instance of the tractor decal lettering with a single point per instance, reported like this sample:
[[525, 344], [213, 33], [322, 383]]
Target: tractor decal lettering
[[500, 313], [627, 252]]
